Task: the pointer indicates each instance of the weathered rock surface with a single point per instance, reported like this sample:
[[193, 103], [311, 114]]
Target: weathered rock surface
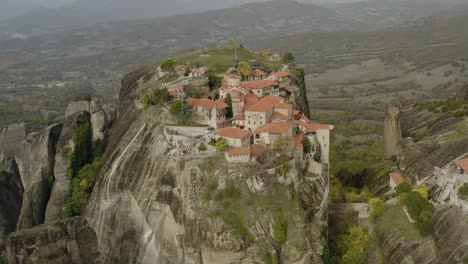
[[145, 207], [462, 94], [64, 146], [449, 244], [11, 192], [35, 158], [11, 137], [99, 117], [68, 241]]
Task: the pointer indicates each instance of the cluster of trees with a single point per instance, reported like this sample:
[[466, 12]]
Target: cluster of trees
[[378, 208], [417, 203], [181, 111], [168, 65], [220, 144], [85, 164], [157, 97], [350, 247]]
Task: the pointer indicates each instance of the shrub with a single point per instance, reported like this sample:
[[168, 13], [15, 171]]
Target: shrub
[[317, 156], [420, 209], [202, 147], [221, 144], [463, 192], [288, 57], [403, 188], [307, 145], [83, 154], [280, 229], [378, 208], [157, 97], [168, 65]]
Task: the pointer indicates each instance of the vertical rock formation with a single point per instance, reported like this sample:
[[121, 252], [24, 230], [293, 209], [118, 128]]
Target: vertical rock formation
[[99, 117], [392, 130], [11, 192], [64, 147], [70, 241], [35, 158]]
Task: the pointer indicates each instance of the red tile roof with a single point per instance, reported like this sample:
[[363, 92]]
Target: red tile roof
[[181, 67], [398, 178], [250, 100], [231, 76], [310, 127], [262, 84], [281, 74], [284, 106], [276, 128], [279, 116], [239, 117], [258, 150], [207, 104], [266, 104], [231, 132], [258, 73], [462, 164], [238, 151]]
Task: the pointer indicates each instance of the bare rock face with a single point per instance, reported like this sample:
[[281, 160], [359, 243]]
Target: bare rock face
[[11, 137], [35, 159], [64, 146], [451, 234], [68, 241], [392, 131], [462, 94], [99, 117], [11, 192]]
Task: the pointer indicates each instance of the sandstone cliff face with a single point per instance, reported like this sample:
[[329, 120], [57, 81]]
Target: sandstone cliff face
[[429, 140], [35, 159], [392, 130], [11, 192], [69, 241], [449, 244], [64, 146], [148, 204]]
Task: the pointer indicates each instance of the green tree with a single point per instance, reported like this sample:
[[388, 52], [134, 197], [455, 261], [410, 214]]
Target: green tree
[[378, 208], [181, 111], [228, 101], [221, 144], [83, 154], [244, 69], [202, 147], [157, 97], [403, 188], [463, 192], [214, 81], [176, 109], [280, 230], [168, 65], [307, 145], [288, 58]]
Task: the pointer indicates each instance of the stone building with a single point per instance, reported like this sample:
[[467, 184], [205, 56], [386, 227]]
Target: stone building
[[235, 137], [208, 112]]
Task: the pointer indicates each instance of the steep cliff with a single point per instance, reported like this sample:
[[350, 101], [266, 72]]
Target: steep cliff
[[69, 241], [151, 204], [449, 243]]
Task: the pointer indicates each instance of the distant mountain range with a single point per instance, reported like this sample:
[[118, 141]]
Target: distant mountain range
[[303, 17]]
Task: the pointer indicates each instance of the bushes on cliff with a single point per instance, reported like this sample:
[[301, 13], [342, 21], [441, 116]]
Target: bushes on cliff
[[350, 247], [463, 192], [420, 209], [181, 111], [157, 97], [83, 154], [83, 170], [378, 208]]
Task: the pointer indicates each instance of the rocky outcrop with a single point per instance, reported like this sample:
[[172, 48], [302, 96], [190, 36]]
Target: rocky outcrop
[[70, 241], [64, 146], [298, 80], [449, 243], [35, 158], [11, 137], [392, 131], [11, 192], [462, 95], [99, 117], [451, 234]]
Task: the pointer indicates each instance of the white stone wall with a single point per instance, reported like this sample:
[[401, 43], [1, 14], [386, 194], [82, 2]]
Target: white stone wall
[[237, 158], [323, 138], [236, 142], [254, 120]]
